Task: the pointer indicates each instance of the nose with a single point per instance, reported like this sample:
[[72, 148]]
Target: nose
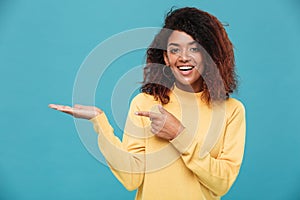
[[184, 56]]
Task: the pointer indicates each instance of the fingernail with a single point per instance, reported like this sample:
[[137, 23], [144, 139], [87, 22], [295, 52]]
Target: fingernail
[[136, 113]]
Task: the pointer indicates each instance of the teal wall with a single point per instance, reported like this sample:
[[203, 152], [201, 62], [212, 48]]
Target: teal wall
[[42, 46]]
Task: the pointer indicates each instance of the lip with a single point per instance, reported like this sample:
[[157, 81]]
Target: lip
[[185, 69]]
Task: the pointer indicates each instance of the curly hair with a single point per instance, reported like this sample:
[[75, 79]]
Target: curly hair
[[218, 77]]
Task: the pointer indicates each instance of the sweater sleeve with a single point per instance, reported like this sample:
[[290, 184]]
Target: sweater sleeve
[[125, 158], [217, 174]]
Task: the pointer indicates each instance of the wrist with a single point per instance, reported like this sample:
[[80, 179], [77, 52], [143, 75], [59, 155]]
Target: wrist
[[96, 113], [180, 129]]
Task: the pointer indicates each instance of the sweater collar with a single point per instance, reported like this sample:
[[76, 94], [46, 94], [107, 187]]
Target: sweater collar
[[186, 97]]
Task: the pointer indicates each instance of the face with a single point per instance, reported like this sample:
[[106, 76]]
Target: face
[[184, 57]]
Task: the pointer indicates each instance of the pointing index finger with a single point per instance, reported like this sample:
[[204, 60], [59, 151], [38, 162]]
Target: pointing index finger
[[151, 115], [142, 113]]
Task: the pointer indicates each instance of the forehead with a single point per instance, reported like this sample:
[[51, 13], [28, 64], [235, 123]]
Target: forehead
[[179, 37]]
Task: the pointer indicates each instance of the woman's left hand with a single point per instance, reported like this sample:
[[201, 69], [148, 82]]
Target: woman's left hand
[[163, 124]]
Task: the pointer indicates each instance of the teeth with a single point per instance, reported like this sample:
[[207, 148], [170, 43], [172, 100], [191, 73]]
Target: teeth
[[185, 68]]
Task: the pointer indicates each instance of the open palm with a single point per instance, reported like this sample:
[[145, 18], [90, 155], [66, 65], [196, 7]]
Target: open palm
[[78, 111]]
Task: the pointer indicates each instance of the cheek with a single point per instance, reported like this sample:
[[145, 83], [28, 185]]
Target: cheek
[[201, 69], [200, 63], [198, 57], [172, 60]]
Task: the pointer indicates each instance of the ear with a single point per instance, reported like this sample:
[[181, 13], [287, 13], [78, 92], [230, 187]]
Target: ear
[[166, 59]]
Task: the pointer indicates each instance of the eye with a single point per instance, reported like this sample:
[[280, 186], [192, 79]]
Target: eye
[[194, 49], [174, 50]]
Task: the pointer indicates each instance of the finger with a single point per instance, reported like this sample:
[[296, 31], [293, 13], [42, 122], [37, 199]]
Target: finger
[[64, 108], [154, 116], [154, 130], [151, 115], [142, 113], [161, 109], [53, 106], [78, 106], [156, 126], [57, 106], [70, 112]]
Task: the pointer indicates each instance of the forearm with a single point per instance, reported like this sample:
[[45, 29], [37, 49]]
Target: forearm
[[128, 167], [216, 173]]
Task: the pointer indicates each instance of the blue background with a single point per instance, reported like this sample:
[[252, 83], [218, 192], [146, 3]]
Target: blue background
[[42, 45]]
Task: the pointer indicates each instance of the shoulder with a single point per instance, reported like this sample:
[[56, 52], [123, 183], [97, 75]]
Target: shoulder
[[234, 107], [233, 103]]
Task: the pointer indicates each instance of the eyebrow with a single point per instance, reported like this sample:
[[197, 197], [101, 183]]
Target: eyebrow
[[175, 44]]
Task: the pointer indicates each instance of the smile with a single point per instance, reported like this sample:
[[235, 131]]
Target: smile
[[185, 68]]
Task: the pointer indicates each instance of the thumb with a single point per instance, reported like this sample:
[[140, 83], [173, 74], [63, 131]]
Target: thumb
[[162, 110]]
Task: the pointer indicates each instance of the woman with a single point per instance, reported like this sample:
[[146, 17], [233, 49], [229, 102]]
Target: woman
[[184, 136]]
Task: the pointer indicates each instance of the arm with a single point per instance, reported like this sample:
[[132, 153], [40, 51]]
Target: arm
[[217, 174], [126, 159]]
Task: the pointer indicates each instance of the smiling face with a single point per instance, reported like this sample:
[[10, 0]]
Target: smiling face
[[184, 57]]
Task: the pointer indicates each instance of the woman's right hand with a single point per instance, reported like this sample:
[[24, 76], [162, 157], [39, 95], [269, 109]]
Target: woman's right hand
[[78, 111]]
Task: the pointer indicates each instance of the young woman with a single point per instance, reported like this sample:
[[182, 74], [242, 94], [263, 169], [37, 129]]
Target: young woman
[[184, 136]]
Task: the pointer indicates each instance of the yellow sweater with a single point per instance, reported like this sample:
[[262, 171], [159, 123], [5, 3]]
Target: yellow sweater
[[202, 162]]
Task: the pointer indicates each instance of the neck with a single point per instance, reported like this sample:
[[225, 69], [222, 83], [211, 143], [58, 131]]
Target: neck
[[195, 88]]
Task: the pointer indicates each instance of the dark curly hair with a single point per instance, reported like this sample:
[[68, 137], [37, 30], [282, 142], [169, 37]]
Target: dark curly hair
[[218, 78]]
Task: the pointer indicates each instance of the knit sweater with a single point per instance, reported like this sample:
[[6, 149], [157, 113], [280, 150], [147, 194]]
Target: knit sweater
[[202, 162]]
